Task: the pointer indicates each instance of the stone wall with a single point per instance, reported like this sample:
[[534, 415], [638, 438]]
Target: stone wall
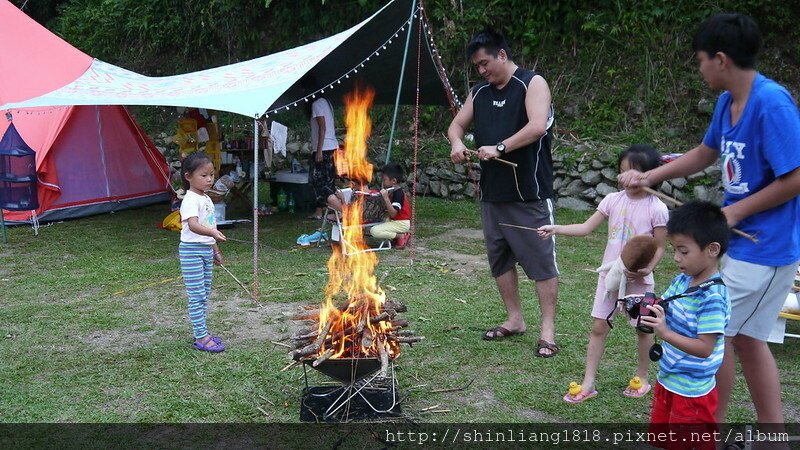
[[583, 177]]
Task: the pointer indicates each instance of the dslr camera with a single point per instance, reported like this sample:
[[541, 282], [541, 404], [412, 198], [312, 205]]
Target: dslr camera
[[636, 307]]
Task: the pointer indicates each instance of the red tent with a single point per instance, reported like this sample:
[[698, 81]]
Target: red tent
[[89, 160]]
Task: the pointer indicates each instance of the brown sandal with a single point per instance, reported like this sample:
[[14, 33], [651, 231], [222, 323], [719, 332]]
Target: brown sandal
[[542, 344], [497, 333]]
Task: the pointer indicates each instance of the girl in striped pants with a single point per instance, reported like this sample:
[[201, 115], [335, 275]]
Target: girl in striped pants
[[198, 249]]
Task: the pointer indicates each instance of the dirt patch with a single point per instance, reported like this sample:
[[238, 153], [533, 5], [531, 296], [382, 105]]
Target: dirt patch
[[118, 341], [264, 323], [534, 415]]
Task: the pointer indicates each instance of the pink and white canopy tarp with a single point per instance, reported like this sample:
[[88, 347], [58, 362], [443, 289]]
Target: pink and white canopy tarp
[[37, 68]]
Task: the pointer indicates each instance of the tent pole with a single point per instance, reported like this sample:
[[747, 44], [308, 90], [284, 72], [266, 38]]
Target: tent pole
[[255, 209], [3, 225], [400, 82]]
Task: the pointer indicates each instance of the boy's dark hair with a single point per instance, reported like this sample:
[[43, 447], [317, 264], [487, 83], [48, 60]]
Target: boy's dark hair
[[489, 40], [192, 163], [393, 170], [641, 157], [703, 221], [736, 35]]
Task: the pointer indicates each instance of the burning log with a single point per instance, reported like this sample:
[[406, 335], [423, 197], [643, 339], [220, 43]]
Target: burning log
[[361, 324], [366, 339], [399, 323], [328, 353], [384, 358], [317, 345], [380, 318], [406, 339], [312, 313]]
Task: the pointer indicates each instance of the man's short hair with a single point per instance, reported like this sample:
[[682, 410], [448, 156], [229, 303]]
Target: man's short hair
[[702, 221], [736, 35], [489, 40], [393, 170]]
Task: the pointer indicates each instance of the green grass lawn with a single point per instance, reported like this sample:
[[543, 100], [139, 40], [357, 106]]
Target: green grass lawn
[[93, 327]]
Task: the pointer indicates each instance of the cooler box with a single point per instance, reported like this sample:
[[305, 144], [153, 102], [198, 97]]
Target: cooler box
[[286, 176]]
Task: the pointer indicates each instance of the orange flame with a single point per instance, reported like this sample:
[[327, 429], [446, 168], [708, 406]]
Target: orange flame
[[352, 276]]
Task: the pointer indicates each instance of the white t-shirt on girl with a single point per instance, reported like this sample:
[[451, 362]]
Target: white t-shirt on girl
[[200, 206]]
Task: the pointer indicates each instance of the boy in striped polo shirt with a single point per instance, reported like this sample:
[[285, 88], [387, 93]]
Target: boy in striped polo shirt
[[692, 327]]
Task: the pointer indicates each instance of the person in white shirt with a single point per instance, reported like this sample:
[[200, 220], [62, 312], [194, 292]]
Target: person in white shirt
[[323, 142]]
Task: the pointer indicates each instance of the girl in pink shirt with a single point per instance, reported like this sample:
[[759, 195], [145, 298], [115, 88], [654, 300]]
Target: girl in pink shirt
[[629, 213]]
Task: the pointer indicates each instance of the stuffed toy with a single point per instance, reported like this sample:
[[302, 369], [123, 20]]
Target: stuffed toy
[[636, 254]]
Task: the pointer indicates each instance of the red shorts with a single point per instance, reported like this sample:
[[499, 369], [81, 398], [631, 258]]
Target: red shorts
[[679, 422]]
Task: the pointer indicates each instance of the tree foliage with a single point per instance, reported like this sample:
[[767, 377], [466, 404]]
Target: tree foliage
[[614, 66]]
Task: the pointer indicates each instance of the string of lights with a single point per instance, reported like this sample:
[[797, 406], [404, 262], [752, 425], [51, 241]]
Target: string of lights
[[437, 59], [35, 111], [434, 51]]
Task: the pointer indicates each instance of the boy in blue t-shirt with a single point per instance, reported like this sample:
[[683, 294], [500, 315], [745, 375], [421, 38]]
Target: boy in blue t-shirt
[[692, 326], [755, 132]]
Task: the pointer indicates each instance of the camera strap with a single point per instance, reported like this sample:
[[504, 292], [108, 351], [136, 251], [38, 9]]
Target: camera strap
[[694, 289], [656, 351]]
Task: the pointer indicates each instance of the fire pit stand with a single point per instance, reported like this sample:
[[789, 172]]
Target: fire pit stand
[[371, 397]]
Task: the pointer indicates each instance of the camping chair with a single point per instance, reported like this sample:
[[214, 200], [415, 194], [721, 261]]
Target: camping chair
[[337, 235]]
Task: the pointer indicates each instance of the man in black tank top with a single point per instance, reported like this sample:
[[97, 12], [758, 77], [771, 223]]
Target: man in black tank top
[[511, 114]]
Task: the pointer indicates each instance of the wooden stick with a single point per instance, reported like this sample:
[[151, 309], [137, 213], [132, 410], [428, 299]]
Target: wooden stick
[[384, 358], [500, 160], [518, 226], [322, 358], [407, 339], [266, 400], [291, 364], [237, 280], [238, 240], [455, 389], [167, 280], [366, 338], [677, 202]]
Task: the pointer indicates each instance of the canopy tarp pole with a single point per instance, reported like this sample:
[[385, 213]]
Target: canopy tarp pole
[[255, 209], [410, 24]]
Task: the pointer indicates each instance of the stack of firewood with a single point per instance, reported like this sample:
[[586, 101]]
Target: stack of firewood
[[356, 336]]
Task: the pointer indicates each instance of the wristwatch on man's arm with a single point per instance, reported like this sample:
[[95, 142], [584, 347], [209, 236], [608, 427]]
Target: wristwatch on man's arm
[[501, 148]]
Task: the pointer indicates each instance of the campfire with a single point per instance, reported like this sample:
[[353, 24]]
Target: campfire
[[355, 323]]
